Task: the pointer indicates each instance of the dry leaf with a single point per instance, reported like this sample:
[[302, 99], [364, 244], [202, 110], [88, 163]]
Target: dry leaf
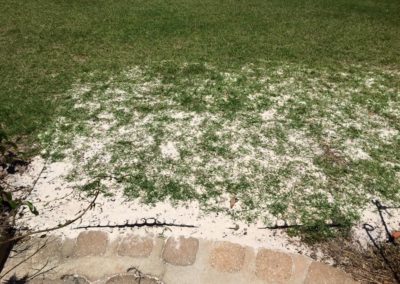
[[233, 201], [396, 234]]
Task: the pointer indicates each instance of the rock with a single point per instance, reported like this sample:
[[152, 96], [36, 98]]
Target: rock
[[227, 257], [181, 251], [273, 266], [91, 243], [135, 246]]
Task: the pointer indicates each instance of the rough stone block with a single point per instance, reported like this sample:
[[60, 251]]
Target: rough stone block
[[227, 257], [319, 273], [273, 266], [130, 279], [181, 251], [300, 268], [74, 279], [67, 247], [45, 281], [46, 250], [135, 246], [91, 243]]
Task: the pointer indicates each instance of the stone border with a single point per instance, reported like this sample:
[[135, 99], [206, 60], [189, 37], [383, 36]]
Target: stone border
[[93, 258]]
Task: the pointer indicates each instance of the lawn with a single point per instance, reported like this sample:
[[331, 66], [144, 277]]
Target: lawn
[[291, 107]]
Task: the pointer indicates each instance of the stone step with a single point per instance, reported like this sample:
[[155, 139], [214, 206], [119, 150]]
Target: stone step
[[94, 258]]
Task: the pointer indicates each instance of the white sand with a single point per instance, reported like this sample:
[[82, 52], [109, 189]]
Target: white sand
[[57, 202]]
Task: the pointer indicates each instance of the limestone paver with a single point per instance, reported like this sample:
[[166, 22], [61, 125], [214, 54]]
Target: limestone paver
[[273, 266], [202, 273], [129, 279], [67, 248], [122, 279], [320, 273], [92, 258], [74, 279], [67, 279], [135, 246], [48, 249], [181, 251], [227, 257], [95, 268], [300, 268], [91, 243], [46, 281]]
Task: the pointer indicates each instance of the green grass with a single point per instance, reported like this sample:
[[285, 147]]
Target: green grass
[[45, 45]]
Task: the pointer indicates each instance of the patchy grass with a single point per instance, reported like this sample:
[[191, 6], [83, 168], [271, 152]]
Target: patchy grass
[[304, 145]]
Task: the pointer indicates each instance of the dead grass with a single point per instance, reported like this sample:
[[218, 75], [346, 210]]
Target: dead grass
[[371, 264]]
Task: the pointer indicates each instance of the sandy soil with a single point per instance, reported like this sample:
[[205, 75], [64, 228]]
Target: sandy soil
[[58, 202]]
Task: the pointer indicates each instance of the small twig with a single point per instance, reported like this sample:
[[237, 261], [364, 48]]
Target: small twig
[[55, 199], [368, 229], [35, 181], [20, 251], [58, 226], [40, 271], [16, 188]]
